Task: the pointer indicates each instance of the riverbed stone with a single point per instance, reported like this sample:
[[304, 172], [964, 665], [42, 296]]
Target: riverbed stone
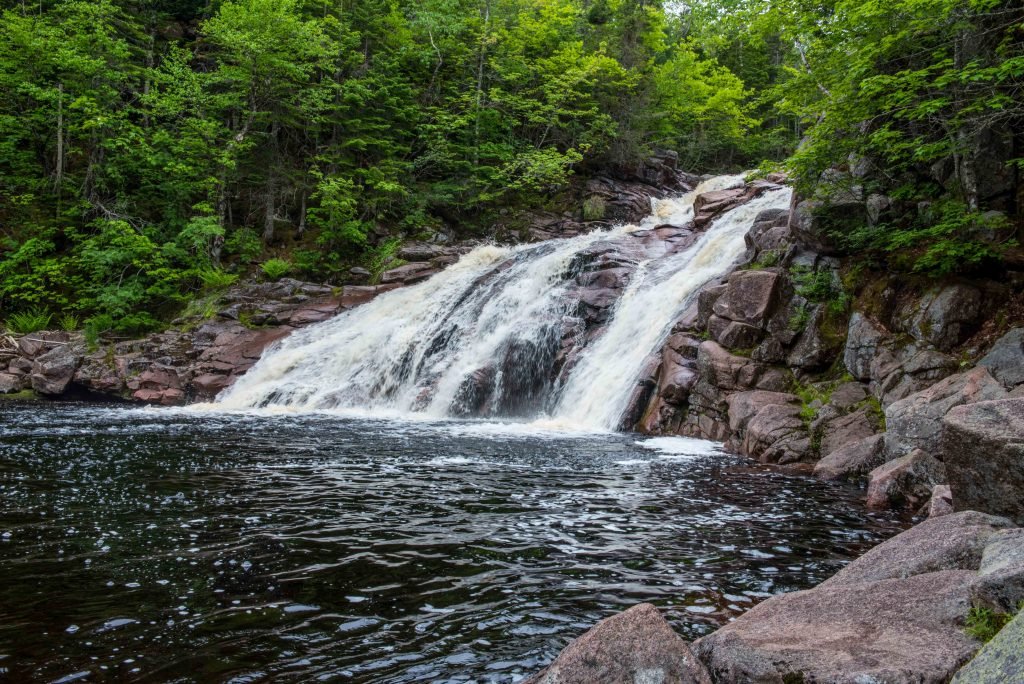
[[897, 631], [905, 482], [1000, 661], [951, 542], [853, 460], [983, 446], [637, 646], [1000, 582], [916, 421], [9, 382]]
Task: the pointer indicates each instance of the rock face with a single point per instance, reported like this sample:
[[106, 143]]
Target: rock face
[[1001, 661], [894, 615], [945, 316], [915, 422], [983, 447], [634, 647], [53, 371]]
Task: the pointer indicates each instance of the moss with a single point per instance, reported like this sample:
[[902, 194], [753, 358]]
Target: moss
[[24, 395], [984, 623]]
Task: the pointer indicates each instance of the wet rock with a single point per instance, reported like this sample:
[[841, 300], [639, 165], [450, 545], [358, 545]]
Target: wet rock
[[951, 542], [743, 406], [1000, 661], [776, 434], [983, 446], [54, 370], [916, 421], [769, 232], [749, 297], [944, 317], [941, 502], [1006, 359], [898, 631], [1000, 582], [408, 273], [636, 646], [852, 461], [905, 482], [706, 302]]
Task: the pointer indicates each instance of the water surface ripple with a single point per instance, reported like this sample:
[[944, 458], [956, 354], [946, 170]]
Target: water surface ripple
[[143, 545]]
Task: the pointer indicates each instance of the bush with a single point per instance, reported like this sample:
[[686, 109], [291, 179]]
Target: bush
[[275, 269], [30, 321]]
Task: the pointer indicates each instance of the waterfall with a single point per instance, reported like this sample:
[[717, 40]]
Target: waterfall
[[510, 332]]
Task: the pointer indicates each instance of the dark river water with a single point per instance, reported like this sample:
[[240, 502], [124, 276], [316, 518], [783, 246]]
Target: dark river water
[[158, 546]]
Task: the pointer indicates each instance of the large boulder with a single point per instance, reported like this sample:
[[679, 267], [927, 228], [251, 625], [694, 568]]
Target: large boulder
[[777, 434], [863, 339], [983, 447], [852, 461], [1005, 361], [916, 421], [634, 647], [1001, 661], [905, 482], [54, 370], [951, 542], [944, 317], [897, 631], [844, 431]]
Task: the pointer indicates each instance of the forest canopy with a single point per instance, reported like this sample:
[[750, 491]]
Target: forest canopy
[[154, 150]]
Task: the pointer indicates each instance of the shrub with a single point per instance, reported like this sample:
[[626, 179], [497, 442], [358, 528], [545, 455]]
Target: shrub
[[984, 623], [29, 321], [275, 269]]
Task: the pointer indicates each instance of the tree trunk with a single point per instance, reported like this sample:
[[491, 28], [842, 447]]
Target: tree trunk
[[59, 178]]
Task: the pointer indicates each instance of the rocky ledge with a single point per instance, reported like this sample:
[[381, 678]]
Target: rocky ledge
[[896, 615]]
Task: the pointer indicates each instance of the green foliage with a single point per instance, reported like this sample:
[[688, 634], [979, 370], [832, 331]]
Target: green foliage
[[819, 286], [984, 623], [29, 321], [70, 322], [594, 208], [275, 269], [215, 279], [381, 258]]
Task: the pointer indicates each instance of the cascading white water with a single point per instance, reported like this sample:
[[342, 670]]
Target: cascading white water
[[482, 336], [599, 389]]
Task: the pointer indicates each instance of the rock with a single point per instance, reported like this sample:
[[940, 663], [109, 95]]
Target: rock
[[1000, 582], [863, 338], [1006, 359], [725, 371], [1000, 661], [906, 482], [406, 272], [915, 422], [945, 316], [12, 383], [941, 502], [897, 631], [53, 371], [845, 430], [852, 461], [743, 406], [776, 434], [634, 647], [676, 385], [951, 542], [815, 349], [901, 370], [848, 395], [749, 297], [706, 303], [983, 446], [814, 223], [732, 334], [769, 232]]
